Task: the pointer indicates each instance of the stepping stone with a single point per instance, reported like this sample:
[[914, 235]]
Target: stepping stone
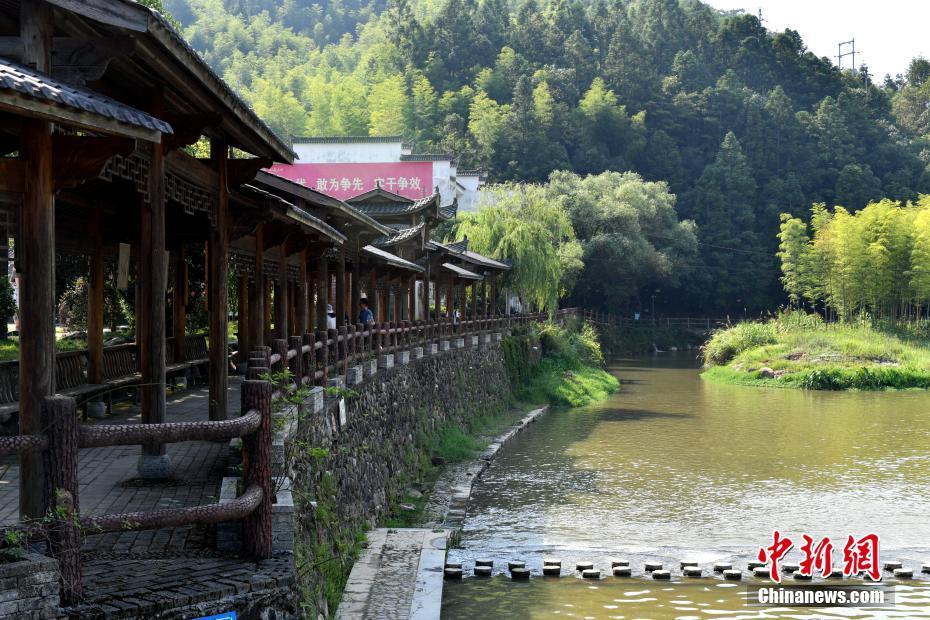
[[761, 571], [790, 568], [521, 574], [484, 563], [802, 577], [453, 565], [552, 570], [692, 571], [591, 573], [685, 563], [719, 567], [584, 565], [835, 575], [622, 571], [925, 568], [483, 571], [903, 573], [552, 562], [651, 566], [754, 565], [514, 564], [662, 574], [890, 566], [615, 563], [732, 575], [452, 573]]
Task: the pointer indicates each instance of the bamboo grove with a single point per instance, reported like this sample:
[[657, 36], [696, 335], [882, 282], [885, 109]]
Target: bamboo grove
[[871, 264]]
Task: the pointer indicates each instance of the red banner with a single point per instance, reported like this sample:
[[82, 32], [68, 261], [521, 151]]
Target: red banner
[[410, 179]]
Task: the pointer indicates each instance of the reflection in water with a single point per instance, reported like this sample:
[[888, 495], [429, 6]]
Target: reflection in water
[[676, 467]]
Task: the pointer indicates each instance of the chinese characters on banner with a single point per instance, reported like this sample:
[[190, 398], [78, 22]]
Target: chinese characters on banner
[[860, 556], [412, 180]]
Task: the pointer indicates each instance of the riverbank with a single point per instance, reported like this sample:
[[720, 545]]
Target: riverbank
[[800, 351]]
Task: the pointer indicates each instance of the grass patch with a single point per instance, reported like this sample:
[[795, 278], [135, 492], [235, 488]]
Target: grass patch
[[561, 382], [796, 350]]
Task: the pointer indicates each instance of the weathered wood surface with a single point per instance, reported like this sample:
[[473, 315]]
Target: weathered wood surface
[[219, 295], [256, 470], [99, 435]]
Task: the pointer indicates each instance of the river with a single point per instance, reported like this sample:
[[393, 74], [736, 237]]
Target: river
[[674, 467]]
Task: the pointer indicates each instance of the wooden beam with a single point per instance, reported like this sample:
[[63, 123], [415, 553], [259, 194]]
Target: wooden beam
[[244, 170], [219, 295], [79, 119], [35, 257], [194, 170], [188, 128]]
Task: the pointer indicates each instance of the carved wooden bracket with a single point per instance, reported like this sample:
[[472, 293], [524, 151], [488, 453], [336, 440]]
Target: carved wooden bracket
[[239, 171], [80, 158], [188, 128]]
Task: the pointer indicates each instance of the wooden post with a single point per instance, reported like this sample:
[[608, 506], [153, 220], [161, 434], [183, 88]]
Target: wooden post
[[95, 305], [35, 252], [312, 304], [279, 346], [425, 292], [256, 470], [356, 288], [219, 295], [474, 301], [150, 335], [179, 303], [494, 295], [322, 291], [340, 304], [59, 421], [268, 309], [484, 297], [391, 306], [412, 298], [280, 295], [342, 350], [301, 324], [257, 292], [322, 359], [373, 304], [242, 331], [297, 364]]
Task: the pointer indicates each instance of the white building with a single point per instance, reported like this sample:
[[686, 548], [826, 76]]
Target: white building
[[348, 166]]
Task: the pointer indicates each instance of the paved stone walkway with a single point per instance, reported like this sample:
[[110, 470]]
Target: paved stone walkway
[[397, 577]]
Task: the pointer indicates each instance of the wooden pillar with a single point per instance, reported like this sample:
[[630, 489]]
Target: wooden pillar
[[356, 288], [391, 305], [36, 259], [484, 297], [242, 330], [373, 303], [322, 291], [150, 334], [280, 295], [340, 305], [257, 293], [474, 300], [412, 298], [424, 293], [404, 299], [218, 288], [312, 304], [179, 303], [269, 308], [463, 303], [494, 295], [301, 324], [95, 303]]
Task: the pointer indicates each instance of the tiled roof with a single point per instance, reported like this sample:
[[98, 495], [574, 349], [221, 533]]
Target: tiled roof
[[38, 86], [467, 255], [297, 214], [375, 209], [428, 157], [391, 259], [460, 272], [345, 139], [401, 235], [447, 213]]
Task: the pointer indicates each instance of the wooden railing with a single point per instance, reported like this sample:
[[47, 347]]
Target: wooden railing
[[312, 358]]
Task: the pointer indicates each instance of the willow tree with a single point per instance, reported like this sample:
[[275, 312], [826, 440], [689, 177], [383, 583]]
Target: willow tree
[[516, 223]]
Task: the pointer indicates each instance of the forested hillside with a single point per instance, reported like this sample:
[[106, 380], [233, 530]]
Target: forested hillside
[[742, 123]]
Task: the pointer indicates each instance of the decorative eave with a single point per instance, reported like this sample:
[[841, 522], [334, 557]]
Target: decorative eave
[[296, 214], [314, 198], [461, 272], [391, 259], [400, 236], [460, 251]]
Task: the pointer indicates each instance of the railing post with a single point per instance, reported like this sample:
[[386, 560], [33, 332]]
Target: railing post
[[256, 470], [279, 346], [308, 361], [384, 338], [59, 419], [297, 365], [354, 331], [343, 350], [322, 355]]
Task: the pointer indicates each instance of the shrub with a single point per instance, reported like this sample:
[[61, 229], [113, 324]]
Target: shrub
[[726, 344], [72, 307]]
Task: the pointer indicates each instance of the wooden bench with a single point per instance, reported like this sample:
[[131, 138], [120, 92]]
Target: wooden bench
[[196, 354], [120, 367]]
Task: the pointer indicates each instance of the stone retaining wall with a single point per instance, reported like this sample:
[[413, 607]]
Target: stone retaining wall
[[29, 588], [354, 465]]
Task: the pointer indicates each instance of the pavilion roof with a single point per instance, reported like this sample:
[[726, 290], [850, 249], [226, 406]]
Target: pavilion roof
[[391, 259], [296, 214], [461, 272], [161, 55], [459, 250], [33, 92], [399, 235]]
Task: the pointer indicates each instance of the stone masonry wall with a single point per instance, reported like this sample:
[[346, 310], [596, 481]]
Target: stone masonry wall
[[29, 588], [352, 467]]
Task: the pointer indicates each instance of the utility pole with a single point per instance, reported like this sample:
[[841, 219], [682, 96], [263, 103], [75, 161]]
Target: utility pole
[[841, 54]]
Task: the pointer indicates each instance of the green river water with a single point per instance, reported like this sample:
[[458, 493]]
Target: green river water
[[675, 467]]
